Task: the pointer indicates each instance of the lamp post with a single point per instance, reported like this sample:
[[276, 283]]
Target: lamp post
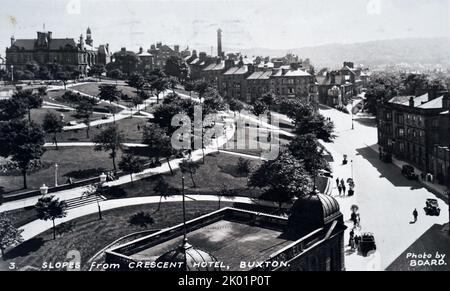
[[352, 168], [100, 186], [56, 174], [351, 109], [43, 189], [12, 73]]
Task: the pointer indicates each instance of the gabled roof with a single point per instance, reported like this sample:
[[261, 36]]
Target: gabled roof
[[58, 43], [27, 44], [433, 104], [237, 71], [195, 61], [215, 66], [260, 75]]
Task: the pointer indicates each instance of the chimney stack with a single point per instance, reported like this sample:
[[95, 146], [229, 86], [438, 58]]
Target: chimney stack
[[446, 101], [411, 101]]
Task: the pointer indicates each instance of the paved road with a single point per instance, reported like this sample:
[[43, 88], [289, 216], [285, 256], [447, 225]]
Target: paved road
[[385, 198]]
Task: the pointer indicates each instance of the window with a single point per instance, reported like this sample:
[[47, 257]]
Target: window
[[401, 132]]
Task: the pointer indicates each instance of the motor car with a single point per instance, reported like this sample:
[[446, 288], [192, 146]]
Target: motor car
[[432, 207], [408, 172], [367, 243]]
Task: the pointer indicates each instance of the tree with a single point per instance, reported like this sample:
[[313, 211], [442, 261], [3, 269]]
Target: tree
[[137, 81], [131, 164], [12, 108], [85, 109], [23, 141], [109, 92], [164, 190], [110, 139], [235, 105], [63, 76], [141, 219], [53, 125], [115, 74], [29, 100], [97, 70], [307, 149], [158, 143], [315, 124], [201, 87], [50, 208], [268, 99], [258, 108], [189, 86], [174, 67], [224, 191], [189, 166], [9, 234], [281, 179], [213, 102], [173, 82], [160, 85]]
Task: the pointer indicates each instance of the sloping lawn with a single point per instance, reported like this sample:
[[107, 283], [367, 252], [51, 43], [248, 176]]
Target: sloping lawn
[[88, 235], [219, 170], [78, 162], [128, 126]]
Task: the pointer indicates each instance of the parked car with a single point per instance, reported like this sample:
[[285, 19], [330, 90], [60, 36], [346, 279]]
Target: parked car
[[408, 172], [367, 243], [432, 207]]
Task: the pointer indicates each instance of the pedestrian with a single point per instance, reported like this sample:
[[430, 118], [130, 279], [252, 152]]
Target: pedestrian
[[352, 239], [415, 214], [343, 189], [357, 241], [139, 127], [342, 183], [337, 182], [340, 189], [353, 218]]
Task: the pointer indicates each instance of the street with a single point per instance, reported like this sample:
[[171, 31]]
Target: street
[[385, 198]]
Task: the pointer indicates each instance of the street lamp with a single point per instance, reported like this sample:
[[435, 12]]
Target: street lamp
[[352, 168], [43, 189], [100, 186], [56, 174], [12, 73]]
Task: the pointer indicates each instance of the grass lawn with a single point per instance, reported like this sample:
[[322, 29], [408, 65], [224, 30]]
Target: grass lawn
[[93, 89], [219, 170], [128, 126], [78, 162], [88, 235]]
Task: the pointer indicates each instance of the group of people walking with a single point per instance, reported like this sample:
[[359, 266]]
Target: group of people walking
[[340, 184]]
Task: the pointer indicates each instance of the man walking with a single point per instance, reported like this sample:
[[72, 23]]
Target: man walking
[[415, 214], [340, 189], [337, 182], [343, 189]]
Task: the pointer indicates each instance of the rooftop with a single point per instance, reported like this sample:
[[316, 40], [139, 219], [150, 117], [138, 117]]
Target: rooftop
[[215, 66], [237, 70], [229, 241], [260, 75]]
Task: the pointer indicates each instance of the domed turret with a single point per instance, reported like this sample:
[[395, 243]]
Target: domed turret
[[190, 259], [311, 212]]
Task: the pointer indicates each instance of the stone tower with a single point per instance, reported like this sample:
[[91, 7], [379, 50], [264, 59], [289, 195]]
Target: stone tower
[[89, 40]]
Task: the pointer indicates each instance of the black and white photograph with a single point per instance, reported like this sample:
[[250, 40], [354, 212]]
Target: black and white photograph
[[223, 136]]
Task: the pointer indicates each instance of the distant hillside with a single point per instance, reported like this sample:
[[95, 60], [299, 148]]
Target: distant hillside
[[426, 51]]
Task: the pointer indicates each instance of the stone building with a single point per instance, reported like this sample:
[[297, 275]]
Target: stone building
[[233, 82], [63, 51], [416, 129], [230, 239], [349, 80], [161, 53]]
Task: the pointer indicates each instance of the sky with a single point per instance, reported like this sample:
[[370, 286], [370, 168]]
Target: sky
[[275, 24]]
